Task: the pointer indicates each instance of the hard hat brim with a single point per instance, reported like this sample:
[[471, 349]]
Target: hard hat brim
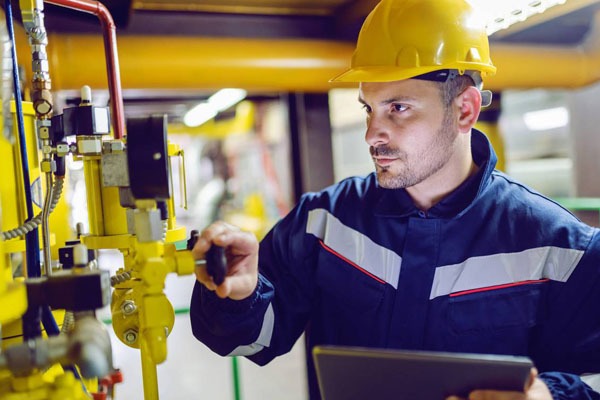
[[390, 74]]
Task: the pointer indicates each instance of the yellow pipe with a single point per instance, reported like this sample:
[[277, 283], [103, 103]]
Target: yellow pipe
[[531, 66], [93, 185], [149, 62], [195, 63], [149, 374]]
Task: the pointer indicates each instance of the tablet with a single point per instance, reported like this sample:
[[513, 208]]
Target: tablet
[[356, 373]]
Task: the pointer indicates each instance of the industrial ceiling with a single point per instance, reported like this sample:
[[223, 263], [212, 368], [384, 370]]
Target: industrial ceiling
[[307, 19], [169, 49]]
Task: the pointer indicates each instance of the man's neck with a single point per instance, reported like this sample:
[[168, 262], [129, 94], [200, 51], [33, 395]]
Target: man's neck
[[435, 188]]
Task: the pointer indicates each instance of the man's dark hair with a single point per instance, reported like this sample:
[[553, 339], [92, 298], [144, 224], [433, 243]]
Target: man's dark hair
[[453, 87]]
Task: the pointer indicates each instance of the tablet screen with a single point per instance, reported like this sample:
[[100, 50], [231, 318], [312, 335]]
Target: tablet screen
[[348, 373]]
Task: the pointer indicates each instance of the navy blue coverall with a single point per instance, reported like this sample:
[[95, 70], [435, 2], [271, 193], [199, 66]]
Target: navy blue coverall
[[493, 268]]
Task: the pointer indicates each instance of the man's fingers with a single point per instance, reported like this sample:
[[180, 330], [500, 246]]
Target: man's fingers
[[208, 236], [203, 277], [241, 252], [237, 242], [243, 282], [495, 395], [216, 229], [244, 285], [224, 289], [533, 373], [225, 235]]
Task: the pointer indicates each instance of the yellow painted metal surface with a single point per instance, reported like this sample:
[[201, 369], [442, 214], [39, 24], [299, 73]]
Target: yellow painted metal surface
[[537, 66], [60, 227], [269, 7], [106, 242], [492, 131], [115, 218], [36, 387], [149, 373], [191, 62], [12, 192], [176, 234], [93, 186], [194, 63], [15, 296]]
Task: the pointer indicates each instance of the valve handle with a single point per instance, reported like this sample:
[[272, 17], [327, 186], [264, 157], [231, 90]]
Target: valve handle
[[215, 260], [216, 263]]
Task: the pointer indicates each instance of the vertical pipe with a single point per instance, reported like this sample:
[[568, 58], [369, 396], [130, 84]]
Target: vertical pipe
[[45, 224], [91, 172], [111, 54], [237, 392], [148, 371], [294, 118]]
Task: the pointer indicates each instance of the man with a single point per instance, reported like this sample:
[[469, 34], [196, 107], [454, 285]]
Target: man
[[436, 250]]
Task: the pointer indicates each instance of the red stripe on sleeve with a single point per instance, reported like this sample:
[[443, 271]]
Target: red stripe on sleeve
[[507, 285], [364, 271]]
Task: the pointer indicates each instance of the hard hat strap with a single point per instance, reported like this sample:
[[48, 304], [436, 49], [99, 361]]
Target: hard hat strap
[[444, 75]]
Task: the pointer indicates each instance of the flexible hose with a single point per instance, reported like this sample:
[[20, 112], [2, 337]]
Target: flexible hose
[[120, 278], [37, 220], [68, 322]]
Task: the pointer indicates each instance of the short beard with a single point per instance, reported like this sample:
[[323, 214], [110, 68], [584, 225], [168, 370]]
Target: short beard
[[409, 176]]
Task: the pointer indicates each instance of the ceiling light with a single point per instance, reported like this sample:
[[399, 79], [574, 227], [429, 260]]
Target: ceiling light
[[220, 101], [550, 118], [226, 98], [199, 114], [502, 14]]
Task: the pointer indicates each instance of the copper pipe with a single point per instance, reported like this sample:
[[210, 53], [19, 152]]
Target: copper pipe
[[111, 54]]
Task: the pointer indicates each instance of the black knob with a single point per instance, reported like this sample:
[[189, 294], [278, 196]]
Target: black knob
[[216, 263]]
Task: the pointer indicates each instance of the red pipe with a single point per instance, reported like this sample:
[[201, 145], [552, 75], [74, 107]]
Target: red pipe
[[112, 57]]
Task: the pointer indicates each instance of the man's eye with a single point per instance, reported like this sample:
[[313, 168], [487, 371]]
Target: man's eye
[[366, 108], [399, 107]]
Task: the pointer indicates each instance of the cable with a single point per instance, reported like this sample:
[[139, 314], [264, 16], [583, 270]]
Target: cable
[[31, 319], [32, 240], [37, 220]]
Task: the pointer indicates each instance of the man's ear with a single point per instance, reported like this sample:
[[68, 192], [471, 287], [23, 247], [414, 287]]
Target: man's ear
[[469, 106]]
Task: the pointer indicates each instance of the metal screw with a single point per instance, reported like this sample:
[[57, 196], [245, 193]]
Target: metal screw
[[128, 307], [130, 336]]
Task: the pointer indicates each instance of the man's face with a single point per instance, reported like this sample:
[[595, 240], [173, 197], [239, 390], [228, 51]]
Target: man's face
[[411, 136]]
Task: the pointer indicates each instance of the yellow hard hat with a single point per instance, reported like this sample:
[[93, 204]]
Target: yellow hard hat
[[402, 39]]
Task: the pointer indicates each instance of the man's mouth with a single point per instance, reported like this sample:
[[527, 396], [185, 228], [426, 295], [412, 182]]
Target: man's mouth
[[383, 156], [384, 161]]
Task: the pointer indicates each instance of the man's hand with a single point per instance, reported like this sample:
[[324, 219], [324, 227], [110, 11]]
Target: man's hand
[[241, 251], [535, 389]]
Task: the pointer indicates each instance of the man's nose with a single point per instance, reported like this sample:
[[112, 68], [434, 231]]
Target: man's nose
[[377, 132]]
